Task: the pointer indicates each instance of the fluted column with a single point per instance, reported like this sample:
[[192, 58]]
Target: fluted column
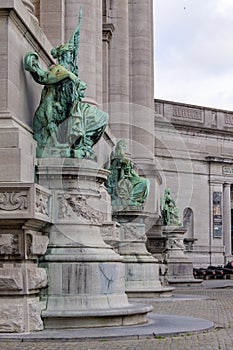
[[52, 20], [142, 79], [227, 218], [119, 70], [90, 48]]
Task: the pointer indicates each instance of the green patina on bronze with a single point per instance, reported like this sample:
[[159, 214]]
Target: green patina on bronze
[[124, 185], [170, 212], [63, 125]]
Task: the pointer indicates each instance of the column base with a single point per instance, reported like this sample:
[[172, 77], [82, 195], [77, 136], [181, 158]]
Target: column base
[[130, 315]]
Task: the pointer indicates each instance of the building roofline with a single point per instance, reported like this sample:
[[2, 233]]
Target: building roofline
[[192, 105]]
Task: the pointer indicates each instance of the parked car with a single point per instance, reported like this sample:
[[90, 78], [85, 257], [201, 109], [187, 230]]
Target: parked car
[[203, 273], [219, 271], [229, 265]]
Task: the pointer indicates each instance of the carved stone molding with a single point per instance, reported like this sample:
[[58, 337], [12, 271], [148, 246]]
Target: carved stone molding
[[24, 201], [194, 114], [13, 200]]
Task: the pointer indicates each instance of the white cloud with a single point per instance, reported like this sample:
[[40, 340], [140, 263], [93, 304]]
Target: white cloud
[[194, 51], [224, 8]]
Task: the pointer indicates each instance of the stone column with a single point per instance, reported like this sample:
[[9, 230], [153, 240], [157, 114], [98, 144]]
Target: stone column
[[90, 48], [227, 219], [52, 18], [119, 71], [142, 79]]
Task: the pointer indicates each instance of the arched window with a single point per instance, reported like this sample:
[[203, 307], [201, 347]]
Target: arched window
[[188, 222]]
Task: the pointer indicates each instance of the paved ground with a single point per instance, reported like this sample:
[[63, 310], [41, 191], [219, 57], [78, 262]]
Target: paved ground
[[218, 308]]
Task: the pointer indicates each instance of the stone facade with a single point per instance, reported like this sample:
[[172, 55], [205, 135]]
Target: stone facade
[[193, 150]]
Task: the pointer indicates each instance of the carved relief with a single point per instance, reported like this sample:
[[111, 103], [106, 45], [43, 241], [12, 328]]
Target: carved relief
[[133, 232], [9, 244], [174, 243], [228, 119], [15, 200], [156, 244], [42, 203], [109, 232], [187, 113], [77, 204], [63, 209]]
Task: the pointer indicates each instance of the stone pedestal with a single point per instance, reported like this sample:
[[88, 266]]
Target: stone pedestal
[[142, 269], [179, 267], [24, 213], [86, 277]]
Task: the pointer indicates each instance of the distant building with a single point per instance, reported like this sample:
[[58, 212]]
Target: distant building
[[194, 156]]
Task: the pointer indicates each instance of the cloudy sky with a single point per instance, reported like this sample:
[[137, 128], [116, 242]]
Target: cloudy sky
[[194, 52]]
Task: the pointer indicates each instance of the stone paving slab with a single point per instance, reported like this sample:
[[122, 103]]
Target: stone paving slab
[[175, 297], [218, 308], [157, 325]]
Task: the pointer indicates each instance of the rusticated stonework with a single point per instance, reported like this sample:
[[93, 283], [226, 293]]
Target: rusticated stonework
[[11, 317], [13, 200], [11, 279], [71, 205], [9, 244], [36, 244], [37, 277]]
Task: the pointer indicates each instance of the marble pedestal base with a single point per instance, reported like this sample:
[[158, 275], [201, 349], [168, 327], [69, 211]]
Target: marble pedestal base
[[86, 276], [141, 268], [179, 267]]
